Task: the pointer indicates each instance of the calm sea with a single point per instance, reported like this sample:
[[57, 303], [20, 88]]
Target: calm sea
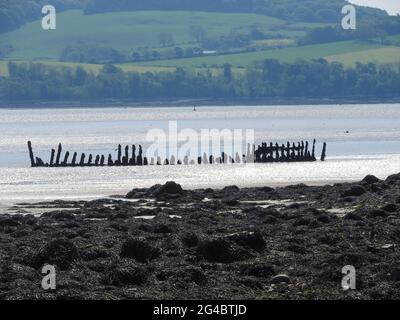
[[362, 139]]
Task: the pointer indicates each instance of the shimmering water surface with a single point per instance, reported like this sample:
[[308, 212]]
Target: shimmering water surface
[[362, 139]]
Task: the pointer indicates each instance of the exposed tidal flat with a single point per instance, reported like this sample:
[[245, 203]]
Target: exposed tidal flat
[[165, 242]]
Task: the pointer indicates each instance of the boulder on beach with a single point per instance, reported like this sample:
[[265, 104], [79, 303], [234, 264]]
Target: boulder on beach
[[393, 179], [231, 189], [169, 188], [370, 179]]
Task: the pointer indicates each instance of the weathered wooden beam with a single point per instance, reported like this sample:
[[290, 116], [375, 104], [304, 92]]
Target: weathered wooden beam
[[58, 154], [132, 161], [90, 160], [31, 157], [73, 163], [323, 155], [125, 159], [52, 157], [110, 162], [97, 160], [139, 160], [82, 162], [313, 148], [118, 162], [65, 162]]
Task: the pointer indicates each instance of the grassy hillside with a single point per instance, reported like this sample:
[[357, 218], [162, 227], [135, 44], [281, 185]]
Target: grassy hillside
[[284, 55], [128, 30]]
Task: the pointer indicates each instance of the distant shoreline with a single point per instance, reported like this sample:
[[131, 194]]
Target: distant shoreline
[[190, 102]]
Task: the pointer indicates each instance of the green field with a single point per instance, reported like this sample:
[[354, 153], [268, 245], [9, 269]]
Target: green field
[[389, 55], [395, 39], [129, 30], [285, 55], [95, 68]]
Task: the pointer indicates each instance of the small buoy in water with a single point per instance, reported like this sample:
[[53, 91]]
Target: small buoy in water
[[347, 131]]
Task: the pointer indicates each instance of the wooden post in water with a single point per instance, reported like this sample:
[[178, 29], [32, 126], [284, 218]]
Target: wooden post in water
[[82, 162], [132, 162], [119, 155], [31, 154], [73, 163], [58, 154], [65, 162], [125, 159], [52, 157], [110, 161], [139, 161], [313, 148], [39, 162], [306, 150], [323, 155]]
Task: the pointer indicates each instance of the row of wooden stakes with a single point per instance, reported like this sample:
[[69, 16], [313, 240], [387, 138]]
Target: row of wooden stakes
[[261, 154]]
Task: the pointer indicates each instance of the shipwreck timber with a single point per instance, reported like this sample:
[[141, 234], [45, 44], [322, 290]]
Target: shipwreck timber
[[263, 153]]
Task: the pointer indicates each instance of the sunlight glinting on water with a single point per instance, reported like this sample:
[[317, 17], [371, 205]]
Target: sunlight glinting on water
[[362, 139]]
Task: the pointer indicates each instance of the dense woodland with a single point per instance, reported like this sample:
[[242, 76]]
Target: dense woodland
[[15, 13], [269, 79]]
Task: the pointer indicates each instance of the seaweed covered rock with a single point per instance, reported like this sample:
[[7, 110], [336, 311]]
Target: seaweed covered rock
[[222, 251], [390, 207], [370, 179], [139, 249], [259, 270], [393, 179], [169, 188], [253, 240], [126, 272], [59, 252], [354, 191]]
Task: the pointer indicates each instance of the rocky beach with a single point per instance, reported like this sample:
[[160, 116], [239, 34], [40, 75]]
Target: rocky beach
[[168, 243]]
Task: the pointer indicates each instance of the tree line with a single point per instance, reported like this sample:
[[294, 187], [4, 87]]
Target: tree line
[[292, 10], [270, 78], [15, 13]]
